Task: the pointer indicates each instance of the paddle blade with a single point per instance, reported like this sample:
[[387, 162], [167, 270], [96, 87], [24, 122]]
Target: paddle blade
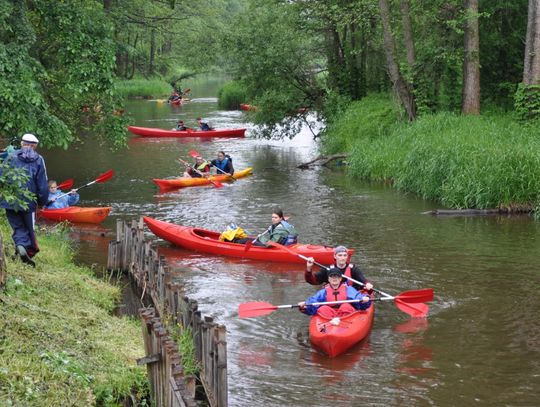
[[248, 245], [419, 310], [67, 184], [105, 176], [255, 309], [416, 296], [194, 153], [217, 184]]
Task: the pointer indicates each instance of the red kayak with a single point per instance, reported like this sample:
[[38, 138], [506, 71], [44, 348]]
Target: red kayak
[[76, 214], [153, 132], [247, 107], [336, 339], [207, 241]]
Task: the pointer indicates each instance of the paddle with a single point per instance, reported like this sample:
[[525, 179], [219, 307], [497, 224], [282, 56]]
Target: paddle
[[410, 302], [259, 308], [196, 154], [217, 184], [67, 184], [250, 242], [102, 178]]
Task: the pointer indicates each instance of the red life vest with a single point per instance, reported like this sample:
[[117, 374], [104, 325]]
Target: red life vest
[[336, 295], [348, 272]]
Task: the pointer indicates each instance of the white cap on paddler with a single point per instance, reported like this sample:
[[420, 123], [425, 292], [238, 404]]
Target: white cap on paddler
[[30, 138]]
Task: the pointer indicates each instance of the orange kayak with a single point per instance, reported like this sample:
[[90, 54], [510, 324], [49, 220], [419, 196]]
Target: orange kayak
[[183, 182], [336, 339], [76, 214]]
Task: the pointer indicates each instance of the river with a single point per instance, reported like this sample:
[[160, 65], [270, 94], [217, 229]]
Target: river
[[479, 345]]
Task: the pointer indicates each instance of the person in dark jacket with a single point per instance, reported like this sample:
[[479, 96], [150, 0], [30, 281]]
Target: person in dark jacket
[[223, 163], [348, 269], [22, 219], [203, 125]]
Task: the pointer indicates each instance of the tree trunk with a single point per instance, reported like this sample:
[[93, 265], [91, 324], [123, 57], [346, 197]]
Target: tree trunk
[[400, 86], [152, 52], [470, 97], [107, 5], [531, 65], [408, 33]]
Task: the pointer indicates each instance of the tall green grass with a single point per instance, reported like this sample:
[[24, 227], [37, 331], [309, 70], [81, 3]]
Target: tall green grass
[[482, 162], [144, 88], [231, 95]]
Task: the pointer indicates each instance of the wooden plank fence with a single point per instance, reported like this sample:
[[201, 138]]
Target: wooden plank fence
[[133, 253]]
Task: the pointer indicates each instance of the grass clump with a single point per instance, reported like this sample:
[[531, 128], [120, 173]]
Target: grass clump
[[143, 88], [488, 161], [231, 95], [60, 343]]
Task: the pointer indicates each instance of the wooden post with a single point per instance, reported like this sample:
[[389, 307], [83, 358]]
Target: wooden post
[[3, 269]]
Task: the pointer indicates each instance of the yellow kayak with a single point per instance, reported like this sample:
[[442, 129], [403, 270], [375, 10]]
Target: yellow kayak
[[183, 182]]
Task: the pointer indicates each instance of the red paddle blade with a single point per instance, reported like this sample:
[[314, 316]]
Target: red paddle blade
[[419, 310], [194, 153], [255, 309], [416, 296], [248, 245], [67, 184], [217, 184], [105, 176]]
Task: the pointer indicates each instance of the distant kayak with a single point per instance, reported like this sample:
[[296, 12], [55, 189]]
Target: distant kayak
[[153, 132], [207, 241], [183, 182], [336, 339], [247, 107], [76, 214]]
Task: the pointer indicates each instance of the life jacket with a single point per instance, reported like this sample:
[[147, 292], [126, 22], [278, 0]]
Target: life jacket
[[292, 237], [348, 272], [222, 165], [336, 295]]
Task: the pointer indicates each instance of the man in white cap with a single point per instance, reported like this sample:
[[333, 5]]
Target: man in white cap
[[341, 255], [22, 219]]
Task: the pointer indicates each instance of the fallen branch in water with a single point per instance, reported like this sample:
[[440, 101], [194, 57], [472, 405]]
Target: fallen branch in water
[[322, 160], [515, 209]]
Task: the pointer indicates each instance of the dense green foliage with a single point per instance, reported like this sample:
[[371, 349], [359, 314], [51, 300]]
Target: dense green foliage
[[61, 345], [12, 182], [231, 95], [57, 67], [462, 162]]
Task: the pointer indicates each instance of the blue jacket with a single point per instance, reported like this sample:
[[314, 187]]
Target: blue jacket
[[34, 165], [63, 202], [225, 165], [320, 296]]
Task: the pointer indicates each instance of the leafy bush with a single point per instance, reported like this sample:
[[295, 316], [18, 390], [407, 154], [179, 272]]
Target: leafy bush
[[231, 95]]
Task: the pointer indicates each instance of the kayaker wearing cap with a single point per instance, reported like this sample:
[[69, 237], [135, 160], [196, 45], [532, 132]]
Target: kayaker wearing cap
[[203, 124], [180, 126], [335, 290], [348, 269], [201, 165], [22, 219]]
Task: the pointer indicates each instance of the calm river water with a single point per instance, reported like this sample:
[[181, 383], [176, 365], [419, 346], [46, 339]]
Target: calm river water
[[479, 345]]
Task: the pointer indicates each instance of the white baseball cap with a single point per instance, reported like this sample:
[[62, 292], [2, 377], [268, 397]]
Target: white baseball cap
[[30, 138]]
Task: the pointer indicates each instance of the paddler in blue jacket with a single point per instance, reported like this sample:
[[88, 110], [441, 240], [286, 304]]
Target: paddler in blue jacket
[[223, 163], [58, 199], [335, 290]]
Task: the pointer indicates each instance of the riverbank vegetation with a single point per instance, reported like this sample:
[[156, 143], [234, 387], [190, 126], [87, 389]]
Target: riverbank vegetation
[[60, 342], [488, 161], [143, 88]]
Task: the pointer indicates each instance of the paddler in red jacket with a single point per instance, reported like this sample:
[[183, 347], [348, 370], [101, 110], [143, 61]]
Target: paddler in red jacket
[[335, 290], [348, 269]]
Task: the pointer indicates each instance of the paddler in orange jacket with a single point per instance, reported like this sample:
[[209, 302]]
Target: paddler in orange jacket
[[335, 290]]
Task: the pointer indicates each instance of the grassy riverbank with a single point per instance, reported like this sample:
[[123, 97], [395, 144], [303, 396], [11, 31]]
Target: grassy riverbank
[[487, 161], [143, 88], [60, 344]]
